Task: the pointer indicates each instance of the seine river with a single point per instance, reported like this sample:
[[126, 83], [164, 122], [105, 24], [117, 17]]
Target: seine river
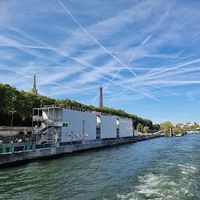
[[163, 168]]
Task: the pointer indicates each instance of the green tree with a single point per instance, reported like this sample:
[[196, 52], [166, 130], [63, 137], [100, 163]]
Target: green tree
[[156, 127], [146, 129], [140, 127], [26, 101], [178, 130], [166, 126]]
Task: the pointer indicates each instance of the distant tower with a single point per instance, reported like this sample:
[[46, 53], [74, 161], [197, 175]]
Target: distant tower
[[34, 88], [101, 97]]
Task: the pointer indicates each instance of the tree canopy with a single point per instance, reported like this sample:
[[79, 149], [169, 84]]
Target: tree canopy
[[166, 126], [24, 102]]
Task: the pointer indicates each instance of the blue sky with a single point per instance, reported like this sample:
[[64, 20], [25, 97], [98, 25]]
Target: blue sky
[[145, 53]]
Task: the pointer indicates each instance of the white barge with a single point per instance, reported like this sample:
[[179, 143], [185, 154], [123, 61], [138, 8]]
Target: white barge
[[60, 125], [61, 130]]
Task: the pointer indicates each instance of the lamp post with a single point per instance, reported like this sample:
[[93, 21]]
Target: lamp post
[[12, 116], [11, 123]]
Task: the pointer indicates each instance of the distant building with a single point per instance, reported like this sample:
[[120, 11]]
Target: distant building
[[181, 125], [187, 124], [34, 88]]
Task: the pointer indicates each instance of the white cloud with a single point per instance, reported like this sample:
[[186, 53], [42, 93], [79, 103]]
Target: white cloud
[[146, 38]]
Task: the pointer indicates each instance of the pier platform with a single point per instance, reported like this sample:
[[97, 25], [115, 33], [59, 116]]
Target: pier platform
[[20, 153]]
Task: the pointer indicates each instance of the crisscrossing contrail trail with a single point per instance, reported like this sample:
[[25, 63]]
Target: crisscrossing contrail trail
[[94, 39]]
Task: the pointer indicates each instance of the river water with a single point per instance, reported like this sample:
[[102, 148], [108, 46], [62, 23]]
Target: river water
[[162, 168]]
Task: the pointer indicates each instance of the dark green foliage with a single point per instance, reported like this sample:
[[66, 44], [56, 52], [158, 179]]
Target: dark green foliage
[[20, 101], [156, 127], [24, 102], [140, 127]]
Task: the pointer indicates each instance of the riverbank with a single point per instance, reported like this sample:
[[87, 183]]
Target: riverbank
[[44, 152]]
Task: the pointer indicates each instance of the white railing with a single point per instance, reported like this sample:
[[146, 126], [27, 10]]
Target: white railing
[[57, 123], [37, 118]]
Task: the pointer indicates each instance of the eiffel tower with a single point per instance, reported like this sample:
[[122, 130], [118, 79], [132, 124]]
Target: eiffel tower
[[34, 88], [101, 97]]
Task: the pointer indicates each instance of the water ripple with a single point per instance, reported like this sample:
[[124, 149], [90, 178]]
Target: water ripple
[[161, 169]]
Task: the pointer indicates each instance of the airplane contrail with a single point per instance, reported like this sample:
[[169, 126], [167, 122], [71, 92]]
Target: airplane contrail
[[169, 69], [145, 77], [94, 39]]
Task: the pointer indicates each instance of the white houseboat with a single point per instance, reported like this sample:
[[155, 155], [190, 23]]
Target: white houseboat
[[55, 124]]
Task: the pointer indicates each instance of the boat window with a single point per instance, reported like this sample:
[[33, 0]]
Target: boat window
[[34, 124], [40, 112], [98, 127], [65, 124], [35, 112], [117, 130]]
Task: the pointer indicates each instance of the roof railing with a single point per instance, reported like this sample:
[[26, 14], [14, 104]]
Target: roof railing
[[64, 106]]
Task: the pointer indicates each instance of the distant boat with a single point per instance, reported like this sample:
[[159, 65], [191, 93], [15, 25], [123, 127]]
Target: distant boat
[[179, 135]]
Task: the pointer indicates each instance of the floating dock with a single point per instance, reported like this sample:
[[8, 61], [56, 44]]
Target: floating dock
[[60, 130], [21, 153]]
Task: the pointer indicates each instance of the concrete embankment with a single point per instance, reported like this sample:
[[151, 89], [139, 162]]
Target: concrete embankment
[[11, 158]]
